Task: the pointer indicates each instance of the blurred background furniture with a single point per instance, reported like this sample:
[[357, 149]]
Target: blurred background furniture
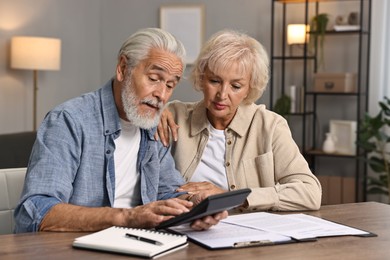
[[15, 149], [11, 186]]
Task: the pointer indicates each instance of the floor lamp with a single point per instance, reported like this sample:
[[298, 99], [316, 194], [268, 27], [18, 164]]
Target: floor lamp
[[35, 53]]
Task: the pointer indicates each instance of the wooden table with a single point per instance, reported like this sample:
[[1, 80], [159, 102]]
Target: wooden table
[[370, 216]]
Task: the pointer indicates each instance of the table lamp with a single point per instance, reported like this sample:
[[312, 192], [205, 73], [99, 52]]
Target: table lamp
[[35, 53], [296, 34]]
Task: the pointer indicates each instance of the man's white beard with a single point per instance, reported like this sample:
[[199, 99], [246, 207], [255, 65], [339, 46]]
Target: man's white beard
[[130, 102]]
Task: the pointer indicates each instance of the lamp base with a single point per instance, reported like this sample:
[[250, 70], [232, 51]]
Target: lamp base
[[35, 72]]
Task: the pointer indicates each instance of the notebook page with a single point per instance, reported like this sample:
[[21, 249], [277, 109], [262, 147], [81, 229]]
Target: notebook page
[[114, 239]]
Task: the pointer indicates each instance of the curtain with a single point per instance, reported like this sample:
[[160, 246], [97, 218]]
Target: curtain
[[379, 66], [380, 54]]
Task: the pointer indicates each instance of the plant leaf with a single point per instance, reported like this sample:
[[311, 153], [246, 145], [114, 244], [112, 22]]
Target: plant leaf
[[377, 164], [377, 190]]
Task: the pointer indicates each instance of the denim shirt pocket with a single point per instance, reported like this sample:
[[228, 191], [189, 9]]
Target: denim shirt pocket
[[259, 171]]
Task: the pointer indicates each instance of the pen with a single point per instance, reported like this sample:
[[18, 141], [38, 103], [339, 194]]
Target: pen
[[253, 243], [144, 239]]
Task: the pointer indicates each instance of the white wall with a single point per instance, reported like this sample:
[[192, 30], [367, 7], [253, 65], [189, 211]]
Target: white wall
[[92, 32], [124, 17], [77, 23]]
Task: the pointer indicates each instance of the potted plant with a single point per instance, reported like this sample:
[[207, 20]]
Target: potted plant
[[283, 105], [374, 138], [318, 25]]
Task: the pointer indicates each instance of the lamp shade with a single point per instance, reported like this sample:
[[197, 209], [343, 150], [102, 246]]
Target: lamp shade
[[296, 33], [35, 53]]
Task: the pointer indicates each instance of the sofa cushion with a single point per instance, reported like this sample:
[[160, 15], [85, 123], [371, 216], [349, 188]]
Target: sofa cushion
[[11, 186]]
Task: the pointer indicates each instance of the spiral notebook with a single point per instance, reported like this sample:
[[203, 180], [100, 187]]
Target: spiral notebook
[[137, 242]]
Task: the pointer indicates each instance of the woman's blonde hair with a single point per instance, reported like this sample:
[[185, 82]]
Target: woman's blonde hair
[[227, 47]]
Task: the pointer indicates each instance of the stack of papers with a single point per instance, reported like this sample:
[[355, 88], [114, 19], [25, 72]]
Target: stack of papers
[[296, 226], [262, 228]]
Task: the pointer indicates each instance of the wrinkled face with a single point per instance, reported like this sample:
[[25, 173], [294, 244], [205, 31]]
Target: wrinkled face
[[148, 87], [223, 93]]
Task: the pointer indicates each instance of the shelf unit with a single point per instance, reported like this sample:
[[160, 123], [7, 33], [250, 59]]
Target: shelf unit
[[286, 64]]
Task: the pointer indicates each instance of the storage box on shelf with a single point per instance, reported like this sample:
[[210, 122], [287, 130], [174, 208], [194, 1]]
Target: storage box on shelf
[[335, 82]]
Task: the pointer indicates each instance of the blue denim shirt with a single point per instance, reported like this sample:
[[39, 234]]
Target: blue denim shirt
[[72, 160]]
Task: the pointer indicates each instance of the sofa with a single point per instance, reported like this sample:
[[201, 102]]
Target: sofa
[[15, 149], [11, 186]]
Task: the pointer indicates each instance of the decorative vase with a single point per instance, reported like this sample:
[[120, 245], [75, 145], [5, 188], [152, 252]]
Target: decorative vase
[[329, 145]]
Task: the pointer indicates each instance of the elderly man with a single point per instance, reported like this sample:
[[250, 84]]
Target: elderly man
[[95, 162]]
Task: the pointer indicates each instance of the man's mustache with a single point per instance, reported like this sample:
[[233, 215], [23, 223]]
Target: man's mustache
[[154, 103]]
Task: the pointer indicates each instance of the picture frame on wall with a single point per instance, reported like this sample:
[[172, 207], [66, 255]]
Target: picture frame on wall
[[344, 132], [186, 22]]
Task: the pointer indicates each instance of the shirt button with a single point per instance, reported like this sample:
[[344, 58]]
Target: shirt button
[[108, 151], [229, 142], [232, 186], [107, 131], [227, 164]]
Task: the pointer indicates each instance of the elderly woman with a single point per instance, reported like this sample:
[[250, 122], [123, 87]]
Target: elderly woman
[[227, 142]]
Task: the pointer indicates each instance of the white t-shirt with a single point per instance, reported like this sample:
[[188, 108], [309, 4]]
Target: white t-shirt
[[127, 178], [211, 167]]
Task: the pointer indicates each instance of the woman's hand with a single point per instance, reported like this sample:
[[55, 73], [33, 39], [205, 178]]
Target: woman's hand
[[204, 186], [208, 221], [166, 125]]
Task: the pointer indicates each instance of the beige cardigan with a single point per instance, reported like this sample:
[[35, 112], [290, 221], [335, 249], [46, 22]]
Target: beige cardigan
[[260, 154]]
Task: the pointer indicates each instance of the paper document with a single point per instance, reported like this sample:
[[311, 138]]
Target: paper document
[[297, 226], [226, 235], [262, 228]]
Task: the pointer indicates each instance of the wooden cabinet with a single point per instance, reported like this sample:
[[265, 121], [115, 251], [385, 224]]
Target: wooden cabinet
[[328, 83]]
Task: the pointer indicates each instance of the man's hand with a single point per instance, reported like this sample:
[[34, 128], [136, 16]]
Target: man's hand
[[166, 125], [152, 214]]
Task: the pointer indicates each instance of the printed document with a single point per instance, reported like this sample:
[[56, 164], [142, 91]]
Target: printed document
[[263, 228], [297, 226]]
